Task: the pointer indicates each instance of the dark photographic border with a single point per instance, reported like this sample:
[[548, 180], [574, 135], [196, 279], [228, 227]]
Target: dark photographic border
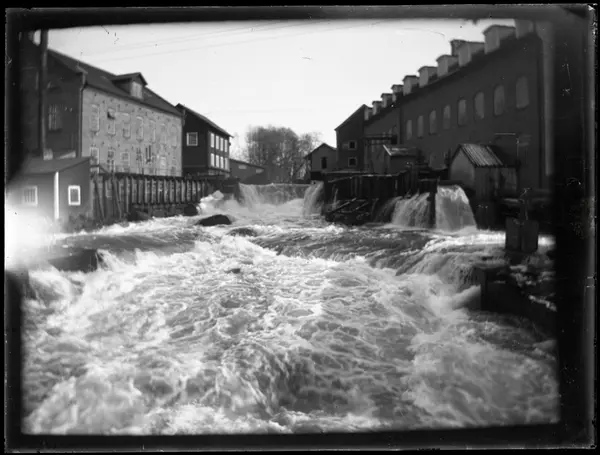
[[574, 220]]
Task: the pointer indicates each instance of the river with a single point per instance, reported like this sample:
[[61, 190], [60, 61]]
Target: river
[[278, 323]]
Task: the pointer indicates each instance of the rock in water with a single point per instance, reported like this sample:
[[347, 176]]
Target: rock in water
[[136, 215], [243, 232], [190, 210], [214, 220]]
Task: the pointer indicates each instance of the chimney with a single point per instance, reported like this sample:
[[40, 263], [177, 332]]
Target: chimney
[[494, 35], [386, 98], [466, 51], [425, 73], [368, 113], [397, 92], [376, 107], [455, 44], [444, 63], [523, 27], [409, 83]]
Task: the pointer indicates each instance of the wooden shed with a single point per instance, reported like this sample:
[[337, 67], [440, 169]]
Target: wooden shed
[[55, 189], [399, 158], [481, 171]]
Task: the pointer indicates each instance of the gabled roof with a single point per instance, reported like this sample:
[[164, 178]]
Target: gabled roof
[[203, 118], [317, 148], [40, 166], [105, 81], [124, 77], [400, 151], [360, 110], [479, 155]]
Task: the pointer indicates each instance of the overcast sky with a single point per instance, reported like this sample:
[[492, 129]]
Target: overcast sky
[[306, 75]]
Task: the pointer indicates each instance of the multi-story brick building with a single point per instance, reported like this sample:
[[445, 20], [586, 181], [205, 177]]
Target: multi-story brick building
[[114, 119], [205, 145], [493, 92], [350, 144]]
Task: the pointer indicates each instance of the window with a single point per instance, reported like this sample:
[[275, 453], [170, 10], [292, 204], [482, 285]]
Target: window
[[173, 171], [163, 133], [522, 93], [394, 133], [212, 140], [420, 126], [352, 145], [259, 171], [125, 161], [433, 122], [446, 117], [30, 195], [173, 136], [153, 130], [499, 103], [95, 155], [409, 129], [74, 192], [462, 112], [111, 123], [126, 125], [110, 160], [227, 146], [242, 166], [139, 158], [140, 128], [148, 154], [54, 117], [95, 118], [324, 163], [192, 139], [351, 162], [212, 160], [136, 90], [163, 163], [479, 106]]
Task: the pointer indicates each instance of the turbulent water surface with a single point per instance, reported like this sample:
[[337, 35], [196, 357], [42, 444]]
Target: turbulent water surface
[[277, 323]]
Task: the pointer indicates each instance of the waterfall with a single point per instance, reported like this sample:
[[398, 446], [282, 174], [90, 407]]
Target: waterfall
[[412, 212], [313, 199], [274, 194], [452, 209]]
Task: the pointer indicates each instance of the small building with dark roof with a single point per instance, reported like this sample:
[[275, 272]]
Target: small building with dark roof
[[54, 189], [350, 143], [321, 160], [206, 145]]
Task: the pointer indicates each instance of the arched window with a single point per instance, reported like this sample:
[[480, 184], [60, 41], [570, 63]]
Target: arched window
[[433, 122], [446, 117], [420, 126], [522, 93], [479, 106], [409, 131], [499, 101], [462, 112]]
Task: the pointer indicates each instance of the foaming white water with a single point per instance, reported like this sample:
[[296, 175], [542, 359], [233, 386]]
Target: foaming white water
[[273, 194], [452, 209], [412, 212], [326, 329], [312, 199]]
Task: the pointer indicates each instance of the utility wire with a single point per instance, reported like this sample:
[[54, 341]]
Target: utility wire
[[240, 42], [181, 39]]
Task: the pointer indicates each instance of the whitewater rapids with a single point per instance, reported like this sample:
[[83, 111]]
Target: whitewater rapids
[[277, 323]]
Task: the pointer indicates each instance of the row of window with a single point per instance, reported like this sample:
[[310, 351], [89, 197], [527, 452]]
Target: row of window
[[145, 161], [171, 133], [499, 108], [30, 195], [216, 142], [220, 162]]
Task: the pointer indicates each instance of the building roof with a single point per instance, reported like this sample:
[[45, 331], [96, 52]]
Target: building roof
[[105, 81], [360, 110], [401, 151], [479, 155], [127, 76], [246, 163], [40, 166], [317, 148], [204, 119]]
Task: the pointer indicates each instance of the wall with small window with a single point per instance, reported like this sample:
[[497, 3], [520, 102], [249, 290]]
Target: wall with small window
[[388, 124], [125, 136]]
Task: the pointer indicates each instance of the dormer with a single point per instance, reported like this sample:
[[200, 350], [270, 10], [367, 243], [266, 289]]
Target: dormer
[[523, 27], [132, 83], [444, 63], [368, 113], [494, 35], [376, 107], [409, 83], [466, 51], [386, 99], [396, 92], [425, 73]]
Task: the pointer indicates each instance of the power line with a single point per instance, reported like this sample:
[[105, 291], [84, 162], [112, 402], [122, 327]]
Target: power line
[[242, 42], [182, 39]]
